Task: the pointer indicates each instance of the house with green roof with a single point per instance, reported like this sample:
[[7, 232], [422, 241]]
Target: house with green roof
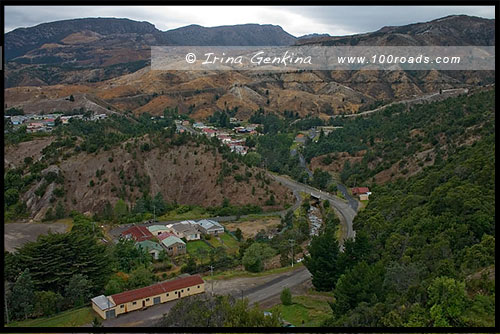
[[174, 245], [151, 247], [158, 229]]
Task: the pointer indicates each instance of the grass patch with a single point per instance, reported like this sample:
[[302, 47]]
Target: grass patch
[[313, 292], [195, 213], [363, 204], [338, 233], [229, 274], [295, 145], [305, 311], [339, 194], [229, 241], [71, 318], [256, 216], [215, 242], [193, 246]]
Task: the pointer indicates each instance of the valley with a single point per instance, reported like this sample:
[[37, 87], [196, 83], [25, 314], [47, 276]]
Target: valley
[[303, 198]]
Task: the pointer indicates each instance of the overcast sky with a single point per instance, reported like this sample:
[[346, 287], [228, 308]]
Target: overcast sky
[[297, 20]]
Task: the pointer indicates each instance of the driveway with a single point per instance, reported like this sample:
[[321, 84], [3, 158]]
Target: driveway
[[351, 200]]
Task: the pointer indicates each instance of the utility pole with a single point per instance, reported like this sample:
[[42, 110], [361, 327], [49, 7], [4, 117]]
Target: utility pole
[[212, 274], [154, 212], [292, 242]]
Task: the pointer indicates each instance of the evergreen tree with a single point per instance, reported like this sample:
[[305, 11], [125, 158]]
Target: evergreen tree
[[60, 211], [120, 210], [54, 258], [322, 261], [78, 290], [159, 204], [47, 303], [22, 296]]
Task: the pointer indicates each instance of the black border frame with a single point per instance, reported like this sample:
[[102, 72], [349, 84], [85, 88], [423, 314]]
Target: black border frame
[[5, 3]]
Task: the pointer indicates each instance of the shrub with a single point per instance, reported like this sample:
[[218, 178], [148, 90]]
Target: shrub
[[286, 297]]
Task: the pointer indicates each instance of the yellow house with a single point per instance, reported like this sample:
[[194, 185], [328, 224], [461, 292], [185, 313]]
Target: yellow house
[[363, 197], [127, 301]]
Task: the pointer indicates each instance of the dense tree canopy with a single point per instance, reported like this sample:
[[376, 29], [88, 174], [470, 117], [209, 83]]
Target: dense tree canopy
[[424, 246]]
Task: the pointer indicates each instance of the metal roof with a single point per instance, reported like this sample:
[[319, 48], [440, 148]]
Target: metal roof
[[155, 228], [164, 235], [139, 233], [172, 240], [103, 302], [156, 289], [148, 245], [207, 224]]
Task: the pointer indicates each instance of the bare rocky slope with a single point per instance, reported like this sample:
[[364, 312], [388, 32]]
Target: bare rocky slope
[[186, 174], [110, 63]]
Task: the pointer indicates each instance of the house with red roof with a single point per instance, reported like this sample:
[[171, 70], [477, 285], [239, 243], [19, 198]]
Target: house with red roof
[[209, 132], [165, 235], [362, 192], [111, 306], [137, 233]]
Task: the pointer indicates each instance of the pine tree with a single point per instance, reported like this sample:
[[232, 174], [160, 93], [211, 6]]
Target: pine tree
[[322, 261], [78, 290], [22, 296]]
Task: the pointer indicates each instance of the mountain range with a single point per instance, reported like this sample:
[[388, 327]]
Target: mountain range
[[104, 62]]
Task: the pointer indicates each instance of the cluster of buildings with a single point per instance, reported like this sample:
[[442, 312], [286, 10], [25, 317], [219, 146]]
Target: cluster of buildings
[[235, 144], [168, 237], [362, 192], [46, 122], [111, 306]]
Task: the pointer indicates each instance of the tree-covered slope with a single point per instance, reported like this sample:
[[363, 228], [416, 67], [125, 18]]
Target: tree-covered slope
[[401, 140], [430, 244]]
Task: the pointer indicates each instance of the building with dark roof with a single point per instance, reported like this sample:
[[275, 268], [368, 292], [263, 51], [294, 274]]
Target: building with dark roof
[[363, 193], [360, 190], [132, 300], [138, 233]]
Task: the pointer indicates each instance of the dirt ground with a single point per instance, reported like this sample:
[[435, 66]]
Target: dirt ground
[[17, 234], [251, 228], [14, 155]]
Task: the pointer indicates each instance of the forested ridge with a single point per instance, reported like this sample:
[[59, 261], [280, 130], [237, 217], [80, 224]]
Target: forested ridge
[[424, 254], [397, 133]]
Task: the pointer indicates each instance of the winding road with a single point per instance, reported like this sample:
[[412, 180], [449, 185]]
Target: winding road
[[445, 93], [347, 213]]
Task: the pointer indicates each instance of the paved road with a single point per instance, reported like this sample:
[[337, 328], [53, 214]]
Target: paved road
[[260, 289], [445, 93], [351, 200], [302, 162], [346, 211]]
